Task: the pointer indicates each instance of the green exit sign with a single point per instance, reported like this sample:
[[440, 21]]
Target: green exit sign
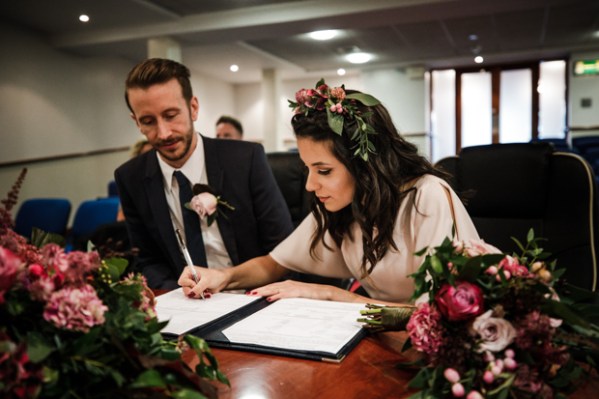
[[586, 67]]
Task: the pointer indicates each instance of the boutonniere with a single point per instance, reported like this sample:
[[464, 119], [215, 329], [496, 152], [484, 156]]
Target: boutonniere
[[206, 203]]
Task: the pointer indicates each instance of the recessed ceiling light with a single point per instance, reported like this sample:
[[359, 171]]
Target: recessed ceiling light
[[358, 58], [84, 18], [473, 37], [340, 71], [479, 59], [323, 34], [234, 68]]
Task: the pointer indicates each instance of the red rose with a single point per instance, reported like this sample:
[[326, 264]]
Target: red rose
[[461, 302]]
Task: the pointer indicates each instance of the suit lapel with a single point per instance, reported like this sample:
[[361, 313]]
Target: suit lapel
[[155, 193], [215, 175]]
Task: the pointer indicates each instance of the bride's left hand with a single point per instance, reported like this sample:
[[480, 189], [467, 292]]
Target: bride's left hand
[[292, 289]]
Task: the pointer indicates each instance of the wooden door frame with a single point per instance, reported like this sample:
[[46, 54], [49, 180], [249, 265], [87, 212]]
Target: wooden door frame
[[495, 71]]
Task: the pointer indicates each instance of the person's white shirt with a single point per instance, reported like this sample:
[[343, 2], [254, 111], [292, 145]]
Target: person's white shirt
[[195, 171]]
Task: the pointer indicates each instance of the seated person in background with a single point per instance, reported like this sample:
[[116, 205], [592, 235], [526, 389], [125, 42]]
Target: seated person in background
[[228, 127], [377, 202], [155, 186]]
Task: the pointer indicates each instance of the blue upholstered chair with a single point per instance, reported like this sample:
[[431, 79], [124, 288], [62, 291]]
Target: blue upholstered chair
[[90, 215], [511, 188], [48, 214]]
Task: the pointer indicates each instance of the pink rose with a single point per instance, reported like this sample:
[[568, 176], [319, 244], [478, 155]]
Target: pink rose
[[496, 333], [204, 204], [461, 302]]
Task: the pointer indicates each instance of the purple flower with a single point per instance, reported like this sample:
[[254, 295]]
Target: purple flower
[[77, 309]]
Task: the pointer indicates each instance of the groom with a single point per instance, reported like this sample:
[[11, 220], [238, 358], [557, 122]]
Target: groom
[[159, 96]]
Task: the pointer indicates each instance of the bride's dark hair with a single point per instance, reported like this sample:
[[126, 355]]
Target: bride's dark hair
[[380, 182]]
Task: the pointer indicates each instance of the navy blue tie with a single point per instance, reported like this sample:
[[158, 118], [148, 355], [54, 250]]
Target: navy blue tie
[[191, 221]]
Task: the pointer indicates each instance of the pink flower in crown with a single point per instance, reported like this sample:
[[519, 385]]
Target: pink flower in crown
[[10, 266], [204, 204], [425, 329], [337, 94], [461, 302], [77, 309], [306, 97]]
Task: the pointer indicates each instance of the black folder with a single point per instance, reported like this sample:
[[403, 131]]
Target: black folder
[[212, 332]]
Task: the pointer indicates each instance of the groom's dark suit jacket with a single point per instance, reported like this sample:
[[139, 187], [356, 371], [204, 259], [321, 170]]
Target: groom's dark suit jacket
[[237, 171]]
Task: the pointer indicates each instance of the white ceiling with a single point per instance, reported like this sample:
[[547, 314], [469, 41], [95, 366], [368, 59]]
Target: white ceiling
[[260, 34]]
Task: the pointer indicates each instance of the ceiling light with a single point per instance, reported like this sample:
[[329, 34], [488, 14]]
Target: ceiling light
[[323, 34], [473, 37], [479, 59], [340, 71], [234, 68], [84, 18], [358, 58]]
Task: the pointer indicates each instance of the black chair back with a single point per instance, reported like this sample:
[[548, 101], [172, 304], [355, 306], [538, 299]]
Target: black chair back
[[510, 188]]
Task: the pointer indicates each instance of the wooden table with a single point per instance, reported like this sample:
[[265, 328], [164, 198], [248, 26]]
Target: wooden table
[[368, 372]]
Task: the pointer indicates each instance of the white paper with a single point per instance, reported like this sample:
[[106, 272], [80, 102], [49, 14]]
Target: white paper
[[184, 313], [299, 324]]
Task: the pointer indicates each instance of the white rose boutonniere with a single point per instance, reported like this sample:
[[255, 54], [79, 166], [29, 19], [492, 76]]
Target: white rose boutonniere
[[207, 204]]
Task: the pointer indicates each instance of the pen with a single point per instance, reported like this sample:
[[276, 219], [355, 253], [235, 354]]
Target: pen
[[187, 257]]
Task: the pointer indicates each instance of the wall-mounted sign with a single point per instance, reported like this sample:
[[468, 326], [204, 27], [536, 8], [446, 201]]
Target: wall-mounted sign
[[586, 67]]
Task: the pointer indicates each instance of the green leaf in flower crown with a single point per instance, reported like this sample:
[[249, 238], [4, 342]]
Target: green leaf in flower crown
[[364, 98], [335, 121]]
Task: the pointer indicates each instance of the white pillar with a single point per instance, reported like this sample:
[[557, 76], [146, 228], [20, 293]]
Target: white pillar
[[164, 47], [271, 89]]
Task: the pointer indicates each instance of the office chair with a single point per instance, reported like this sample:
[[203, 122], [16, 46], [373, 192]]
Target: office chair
[[288, 170], [90, 215], [48, 214], [510, 188]]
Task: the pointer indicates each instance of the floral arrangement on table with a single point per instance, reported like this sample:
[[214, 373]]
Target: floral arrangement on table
[[491, 325], [206, 203], [71, 326], [340, 107]]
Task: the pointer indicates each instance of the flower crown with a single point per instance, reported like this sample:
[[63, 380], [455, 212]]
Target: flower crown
[[340, 107]]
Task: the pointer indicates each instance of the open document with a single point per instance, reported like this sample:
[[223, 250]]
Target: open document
[[298, 327], [185, 314]]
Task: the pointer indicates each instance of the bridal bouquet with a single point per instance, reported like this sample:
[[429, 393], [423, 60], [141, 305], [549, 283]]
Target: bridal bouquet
[[71, 326], [491, 325]]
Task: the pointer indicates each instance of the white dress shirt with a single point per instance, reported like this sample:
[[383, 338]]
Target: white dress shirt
[[195, 171]]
